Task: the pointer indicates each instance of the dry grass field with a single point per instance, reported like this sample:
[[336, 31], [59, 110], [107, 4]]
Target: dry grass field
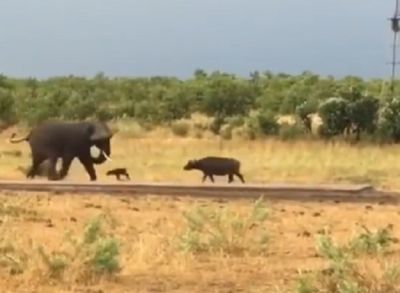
[[160, 156], [147, 231], [58, 243]]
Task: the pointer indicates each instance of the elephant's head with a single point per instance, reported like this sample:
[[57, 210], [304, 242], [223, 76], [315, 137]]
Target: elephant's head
[[100, 136]]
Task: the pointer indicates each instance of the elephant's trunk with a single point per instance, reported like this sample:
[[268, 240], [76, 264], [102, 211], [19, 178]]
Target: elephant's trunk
[[99, 160]]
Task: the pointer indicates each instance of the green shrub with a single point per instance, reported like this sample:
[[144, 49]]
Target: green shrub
[[304, 110], [267, 123], [344, 273], [95, 253], [56, 263], [334, 113], [13, 258], [370, 242], [389, 125], [235, 121], [221, 230], [291, 132], [364, 115], [216, 124]]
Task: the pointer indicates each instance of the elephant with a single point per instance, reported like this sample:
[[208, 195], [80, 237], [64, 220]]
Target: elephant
[[52, 140]]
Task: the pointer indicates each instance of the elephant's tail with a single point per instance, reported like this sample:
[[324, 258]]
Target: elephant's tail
[[17, 140]]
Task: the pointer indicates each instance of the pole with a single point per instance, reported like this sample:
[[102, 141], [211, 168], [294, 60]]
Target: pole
[[395, 28]]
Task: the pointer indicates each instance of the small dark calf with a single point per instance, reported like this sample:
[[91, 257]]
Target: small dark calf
[[118, 172], [216, 166]]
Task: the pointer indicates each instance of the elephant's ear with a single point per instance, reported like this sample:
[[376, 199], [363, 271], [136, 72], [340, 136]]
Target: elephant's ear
[[99, 131], [90, 130]]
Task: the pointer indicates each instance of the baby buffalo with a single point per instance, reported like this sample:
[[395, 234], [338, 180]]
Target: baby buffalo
[[216, 166], [118, 172]]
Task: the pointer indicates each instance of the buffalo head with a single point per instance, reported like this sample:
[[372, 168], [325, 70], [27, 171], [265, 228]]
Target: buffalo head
[[191, 164]]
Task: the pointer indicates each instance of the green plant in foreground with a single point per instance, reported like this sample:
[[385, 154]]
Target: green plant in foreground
[[345, 272], [14, 259], [99, 250], [221, 230], [56, 263], [95, 252], [372, 242]]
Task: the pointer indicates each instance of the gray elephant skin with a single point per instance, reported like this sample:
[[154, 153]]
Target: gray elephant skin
[[67, 140]]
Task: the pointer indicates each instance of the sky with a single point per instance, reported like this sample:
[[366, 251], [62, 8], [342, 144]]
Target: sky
[[44, 38]]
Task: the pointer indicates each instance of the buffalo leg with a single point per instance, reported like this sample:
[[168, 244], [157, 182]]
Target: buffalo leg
[[204, 177], [230, 178], [240, 177], [211, 177], [87, 163]]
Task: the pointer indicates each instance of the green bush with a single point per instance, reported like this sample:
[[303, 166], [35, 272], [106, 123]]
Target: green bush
[[235, 121], [334, 113], [363, 115], [221, 230], [389, 125], [291, 132], [344, 274], [267, 123], [7, 113], [304, 110], [216, 124], [94, 253]]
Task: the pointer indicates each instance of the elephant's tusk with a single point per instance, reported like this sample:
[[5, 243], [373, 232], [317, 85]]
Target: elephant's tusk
[[107, 157]]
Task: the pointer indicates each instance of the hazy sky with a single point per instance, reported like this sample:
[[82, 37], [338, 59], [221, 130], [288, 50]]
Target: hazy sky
[[44, 38]]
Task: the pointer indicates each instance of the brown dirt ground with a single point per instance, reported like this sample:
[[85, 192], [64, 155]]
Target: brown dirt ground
[[147, 225]]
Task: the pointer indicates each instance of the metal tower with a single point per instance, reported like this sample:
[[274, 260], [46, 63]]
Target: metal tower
[[395, 28]]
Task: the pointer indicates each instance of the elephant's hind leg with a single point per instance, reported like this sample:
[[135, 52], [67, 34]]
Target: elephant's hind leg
[[36, 161], [66, 164]]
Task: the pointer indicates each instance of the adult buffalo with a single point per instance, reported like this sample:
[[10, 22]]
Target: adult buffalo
[[216, 166], [66, 140]]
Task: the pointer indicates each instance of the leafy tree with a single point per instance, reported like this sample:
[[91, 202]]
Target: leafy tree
[[363, 115], [267, 123], [227, 96], [390, 120], [335, 116], [6, 106], [304, 110]]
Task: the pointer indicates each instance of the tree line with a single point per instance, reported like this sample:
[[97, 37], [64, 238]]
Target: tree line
[[348, 106]]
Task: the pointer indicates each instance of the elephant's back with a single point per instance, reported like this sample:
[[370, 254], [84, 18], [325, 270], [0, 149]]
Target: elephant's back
[[53, 133]]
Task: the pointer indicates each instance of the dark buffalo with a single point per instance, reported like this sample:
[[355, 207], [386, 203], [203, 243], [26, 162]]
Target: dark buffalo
[[216, 166], [67, 140]]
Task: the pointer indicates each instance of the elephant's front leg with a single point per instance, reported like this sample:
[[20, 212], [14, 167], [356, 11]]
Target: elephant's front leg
[[88, 164]]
